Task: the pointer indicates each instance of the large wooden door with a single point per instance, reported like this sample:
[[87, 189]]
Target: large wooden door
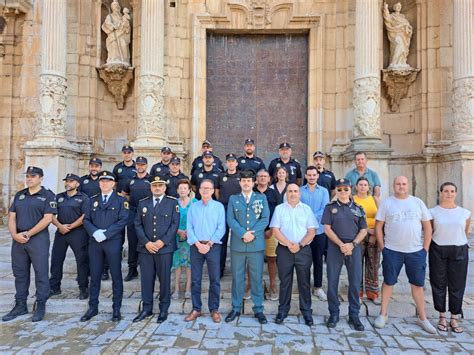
[[257, 87]]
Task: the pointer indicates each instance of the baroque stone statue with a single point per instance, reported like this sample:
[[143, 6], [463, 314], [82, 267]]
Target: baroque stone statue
[[399, 33], [118, 30]]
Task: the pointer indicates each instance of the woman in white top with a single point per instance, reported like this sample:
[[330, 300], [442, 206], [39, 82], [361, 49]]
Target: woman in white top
[[449, 256]]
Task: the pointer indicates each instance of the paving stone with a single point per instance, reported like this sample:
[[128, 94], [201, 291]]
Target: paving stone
[[331, 342], [239, 333], [406, 342], [294, 344]]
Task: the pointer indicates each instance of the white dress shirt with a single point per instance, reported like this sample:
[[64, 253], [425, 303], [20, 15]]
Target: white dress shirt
[[293, 222]]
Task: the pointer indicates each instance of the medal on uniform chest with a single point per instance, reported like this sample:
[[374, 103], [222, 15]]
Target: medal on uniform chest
[[119, 170], [224, 178], [61, 199], [243, 161], [144, 209], [278, 165], [22, 197], [132, 182], [200, 165], [257, 207], [96, 203], [200, 176], [334, 211], [86, 181], [158, 169]]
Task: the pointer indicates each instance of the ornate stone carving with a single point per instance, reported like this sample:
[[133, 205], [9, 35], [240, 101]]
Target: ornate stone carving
[[118, 30], [366, 107], [117, 77], [397, 83], [259, 13], [463, 109], [151, 117], [52, 97], [399, 32]]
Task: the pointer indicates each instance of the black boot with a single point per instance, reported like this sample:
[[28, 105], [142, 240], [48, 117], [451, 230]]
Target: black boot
[[132, 274], [83, 293], [19, 309], [40, 310]]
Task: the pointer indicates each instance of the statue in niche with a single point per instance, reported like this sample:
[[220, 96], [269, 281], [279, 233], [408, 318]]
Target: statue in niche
[[118, 30], [399, 33]]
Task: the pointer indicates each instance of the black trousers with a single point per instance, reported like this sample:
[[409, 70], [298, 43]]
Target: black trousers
[[132, 241], [448, 269], [35, 252], [150, 266], [286, 263], [112, 250], [319, 246], [78, 240]]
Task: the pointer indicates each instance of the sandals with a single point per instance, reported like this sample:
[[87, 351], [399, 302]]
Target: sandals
[[455, 328], [442, 324]]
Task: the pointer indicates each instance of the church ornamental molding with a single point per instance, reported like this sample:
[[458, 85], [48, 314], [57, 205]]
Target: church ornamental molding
[[367, 107], [53, 99], [151, 106]]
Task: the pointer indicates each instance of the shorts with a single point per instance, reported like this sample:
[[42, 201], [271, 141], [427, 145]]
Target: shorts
[[415, 266], [271, 246]]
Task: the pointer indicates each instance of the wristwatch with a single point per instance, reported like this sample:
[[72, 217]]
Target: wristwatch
[[354, 244]]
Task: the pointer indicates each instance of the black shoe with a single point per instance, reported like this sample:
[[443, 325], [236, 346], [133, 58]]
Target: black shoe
[[105, 275], [261, 318], [91, 312], [54, 292], [308, 320], [19, 309], [84, 294], [332, 321], [141, 316], [355, 323], [280, 318], [40, 310], [162, 317], [132, 274], [116, 316], [231, 316]]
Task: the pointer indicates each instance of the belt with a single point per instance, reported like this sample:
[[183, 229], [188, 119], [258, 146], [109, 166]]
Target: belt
[[204, 242]]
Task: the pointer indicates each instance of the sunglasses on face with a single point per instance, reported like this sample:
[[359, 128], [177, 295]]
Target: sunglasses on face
[[346, 189]]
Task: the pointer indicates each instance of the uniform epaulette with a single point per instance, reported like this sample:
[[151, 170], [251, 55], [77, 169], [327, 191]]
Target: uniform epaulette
[[95, 195], [170, 197], [145, 198], [356, 204], [296, 160]]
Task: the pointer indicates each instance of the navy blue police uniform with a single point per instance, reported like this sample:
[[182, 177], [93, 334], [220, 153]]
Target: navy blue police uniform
[[228, 185], [90, 184], [172, 183], [292, 166], [161, 168], [198, 164], [70, 209], [253, 163], [30, 209], [110, 215], [137, 189], [157, 220], [122, 172], [202, 174]]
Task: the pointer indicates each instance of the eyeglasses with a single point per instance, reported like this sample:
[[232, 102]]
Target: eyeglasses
[[346, 189]]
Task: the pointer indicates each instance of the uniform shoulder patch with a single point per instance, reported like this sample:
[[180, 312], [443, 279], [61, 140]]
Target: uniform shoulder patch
[[53, 204], [125, 205], [171, 197], [177, 208], [145, 198], [94, 196]]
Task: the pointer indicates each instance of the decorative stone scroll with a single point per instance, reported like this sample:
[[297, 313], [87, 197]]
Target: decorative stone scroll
[[53, 99], [366, 107], [151, 116], [396, 83], [463, 108]]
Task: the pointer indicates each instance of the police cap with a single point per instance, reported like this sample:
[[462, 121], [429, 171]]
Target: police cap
[[207, 153], [127, 148], [95, 161], [231, 156], [249, 141], [141, 160], [343, 182], [285, 145], [107, 175], [166, 150], [175, 160], [33, 170], [157, 180], [319, 154], [72, 177]]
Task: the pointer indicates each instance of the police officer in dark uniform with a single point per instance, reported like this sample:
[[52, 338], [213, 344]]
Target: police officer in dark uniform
[[31, 213], [198, 161], [156, 223], [326, 178], [345, 225], [173, 176], [228, 184], [162, 167], [125, 170], [72, 207], [292, 165], [89, 184], [105, 223], [249, 161], [208, 171], [136, 189]]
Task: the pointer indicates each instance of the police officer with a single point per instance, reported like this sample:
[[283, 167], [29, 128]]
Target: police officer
[[105, 223], [156, 224], [326, 178], [162, 167], [136, 189], [31, 213], [249, 161], [125, 170], [247, 216], [292, 165], [198, 161], [208, 171], [227, 185], [345, 225], [72, 206], [89, 184], [173, 176]]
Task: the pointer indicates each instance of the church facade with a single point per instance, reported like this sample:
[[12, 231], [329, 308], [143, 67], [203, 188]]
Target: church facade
[[82, 78]]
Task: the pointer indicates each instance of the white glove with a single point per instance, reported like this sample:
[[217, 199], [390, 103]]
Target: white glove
[[99, 235]]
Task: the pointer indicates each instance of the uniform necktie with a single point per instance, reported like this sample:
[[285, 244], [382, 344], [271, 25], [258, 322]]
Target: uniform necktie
[[104, 200], [156, 202]]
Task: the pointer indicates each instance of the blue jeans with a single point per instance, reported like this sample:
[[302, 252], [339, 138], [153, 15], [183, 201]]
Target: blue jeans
[[212, 258]]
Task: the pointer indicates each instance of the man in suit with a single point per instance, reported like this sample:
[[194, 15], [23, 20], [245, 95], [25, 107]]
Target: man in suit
[[247, 216], [105, 223], [156, 224]]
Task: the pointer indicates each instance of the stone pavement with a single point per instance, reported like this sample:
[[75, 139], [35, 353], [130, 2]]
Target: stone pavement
[[61, 332]]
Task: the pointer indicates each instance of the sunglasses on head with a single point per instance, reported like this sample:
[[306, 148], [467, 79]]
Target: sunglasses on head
[[340, 189]]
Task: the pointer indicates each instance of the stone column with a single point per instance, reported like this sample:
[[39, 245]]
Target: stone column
[[151, 121], [463, 72]]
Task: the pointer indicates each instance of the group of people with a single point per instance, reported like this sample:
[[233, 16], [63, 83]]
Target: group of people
[[268, 214]]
